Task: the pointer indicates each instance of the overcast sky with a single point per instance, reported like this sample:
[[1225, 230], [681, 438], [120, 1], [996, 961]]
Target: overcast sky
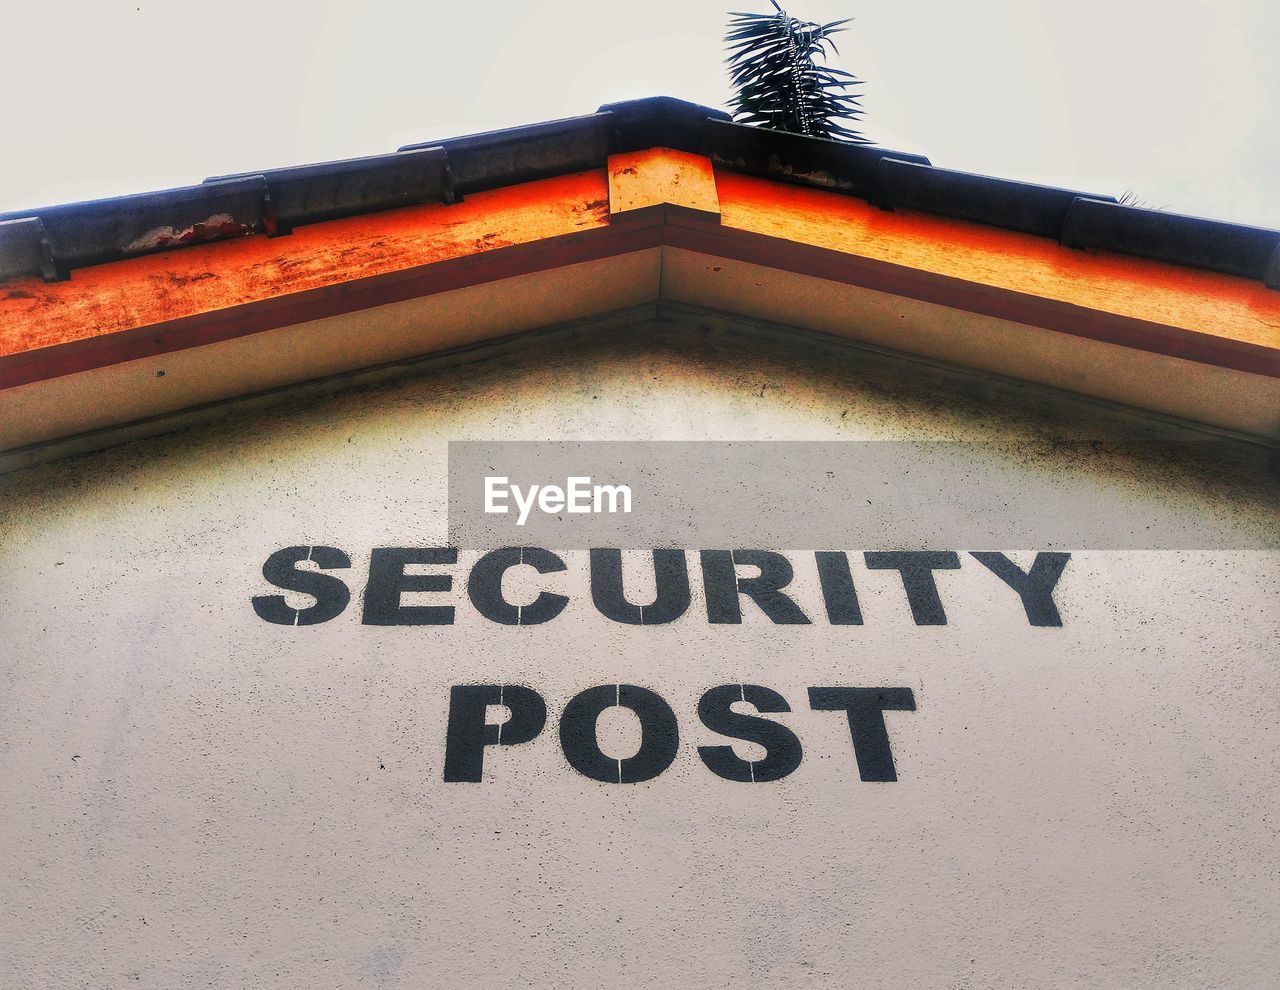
[[1176, 100]]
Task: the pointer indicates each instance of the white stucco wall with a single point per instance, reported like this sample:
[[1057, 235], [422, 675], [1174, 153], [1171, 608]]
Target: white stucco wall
[[193, 797]]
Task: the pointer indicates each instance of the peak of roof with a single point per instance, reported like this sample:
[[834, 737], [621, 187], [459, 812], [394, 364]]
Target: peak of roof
[[52, 241]]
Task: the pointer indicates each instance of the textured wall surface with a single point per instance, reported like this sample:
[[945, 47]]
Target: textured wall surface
[[193, 797]]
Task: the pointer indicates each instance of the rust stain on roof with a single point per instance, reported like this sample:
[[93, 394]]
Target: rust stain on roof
[[217, 227]]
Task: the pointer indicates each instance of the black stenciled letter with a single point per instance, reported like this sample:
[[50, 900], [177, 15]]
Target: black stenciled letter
[[782, 748], [838, 592], [329, 591], [1034, 587], [387, 581], [865, 708], [671, 588], [723, 586], [659, 735], [916, 568], [484, 586], [468, 733]]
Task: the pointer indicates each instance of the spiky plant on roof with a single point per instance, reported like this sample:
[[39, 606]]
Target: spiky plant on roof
[[777, 81]]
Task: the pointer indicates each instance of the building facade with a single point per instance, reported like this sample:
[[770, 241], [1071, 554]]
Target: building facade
[[937, 645]]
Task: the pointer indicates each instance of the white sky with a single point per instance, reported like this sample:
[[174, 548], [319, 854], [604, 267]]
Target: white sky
[[1177, 100]]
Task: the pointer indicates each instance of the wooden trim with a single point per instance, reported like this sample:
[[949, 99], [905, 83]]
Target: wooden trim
[[640, 230], [973, 297], [343, 297]]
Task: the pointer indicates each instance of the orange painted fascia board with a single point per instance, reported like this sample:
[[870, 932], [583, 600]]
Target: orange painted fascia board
[[162, 303], [983, 299], [230, 283], [1220, 306], [640, 180]]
